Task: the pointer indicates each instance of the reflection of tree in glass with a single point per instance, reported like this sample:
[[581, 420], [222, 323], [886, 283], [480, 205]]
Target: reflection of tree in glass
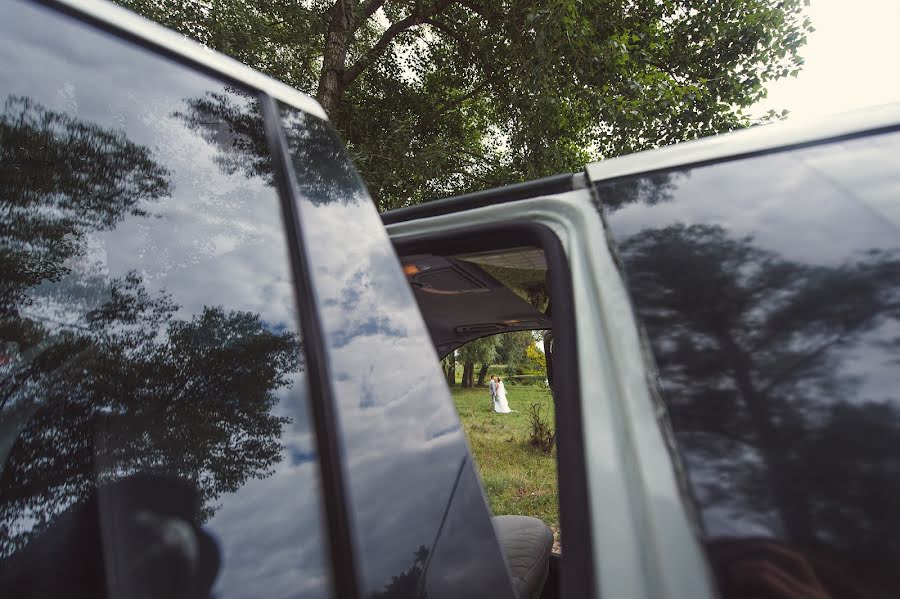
[[138, 390], [236, 130], [322, 168], [751, 349], [59, 179], [126, 387], [408, 583], [324, 172], [649, 190]]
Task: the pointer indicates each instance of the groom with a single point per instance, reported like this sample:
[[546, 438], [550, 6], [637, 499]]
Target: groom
[[493, 386]]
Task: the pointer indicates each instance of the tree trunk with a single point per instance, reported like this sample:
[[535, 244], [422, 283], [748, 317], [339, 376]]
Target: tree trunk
[[334, 59], [468, 372], [451, 370], [481, 374]]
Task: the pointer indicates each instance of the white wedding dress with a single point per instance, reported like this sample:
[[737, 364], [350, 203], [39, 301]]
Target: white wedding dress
[[501, 406]]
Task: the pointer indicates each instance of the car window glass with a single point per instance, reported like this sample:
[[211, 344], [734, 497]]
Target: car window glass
[[154, 427], [770, 291]]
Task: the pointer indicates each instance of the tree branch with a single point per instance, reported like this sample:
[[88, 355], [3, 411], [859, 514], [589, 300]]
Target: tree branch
[[801, 362], [370, 7], [444, 109], [668, 71], [393, 31], [448, 31], [477, 9]]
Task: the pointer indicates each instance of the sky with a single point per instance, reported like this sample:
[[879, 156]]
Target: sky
[[851, 60]]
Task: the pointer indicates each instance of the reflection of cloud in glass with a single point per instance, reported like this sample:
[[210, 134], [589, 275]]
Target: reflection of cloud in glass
[[120, 399], [265, 547], [64, 178]]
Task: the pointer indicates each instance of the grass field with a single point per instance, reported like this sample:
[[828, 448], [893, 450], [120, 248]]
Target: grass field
[[517, 478]]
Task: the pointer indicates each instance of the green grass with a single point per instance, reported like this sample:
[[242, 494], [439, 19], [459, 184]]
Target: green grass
[[517, 478]]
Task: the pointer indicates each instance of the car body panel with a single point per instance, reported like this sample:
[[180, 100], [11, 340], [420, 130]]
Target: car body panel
[[416, 507], [769, 288], [122, 231]]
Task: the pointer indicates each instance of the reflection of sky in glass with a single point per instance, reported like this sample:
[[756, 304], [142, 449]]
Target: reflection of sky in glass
[[806, 205], [217, 240]]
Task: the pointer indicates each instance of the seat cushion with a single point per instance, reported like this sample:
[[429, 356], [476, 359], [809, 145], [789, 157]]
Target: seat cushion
[[527, 543]]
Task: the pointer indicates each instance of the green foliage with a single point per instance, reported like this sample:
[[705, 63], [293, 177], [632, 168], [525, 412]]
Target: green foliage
[[441, 97], [479, 351], [525, 379], [511, 350], [535, 361]]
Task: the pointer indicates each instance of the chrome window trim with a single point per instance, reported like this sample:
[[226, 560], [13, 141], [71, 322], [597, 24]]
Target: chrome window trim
[[749, 142], [123, 21]]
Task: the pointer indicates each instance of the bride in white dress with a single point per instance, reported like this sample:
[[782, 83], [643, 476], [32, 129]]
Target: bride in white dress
[[501, 406]]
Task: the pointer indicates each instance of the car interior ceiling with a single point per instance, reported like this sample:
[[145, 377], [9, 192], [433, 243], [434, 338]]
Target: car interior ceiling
[[466, 296]]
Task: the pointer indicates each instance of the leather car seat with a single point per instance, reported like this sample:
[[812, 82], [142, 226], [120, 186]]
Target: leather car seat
[[527, 543]]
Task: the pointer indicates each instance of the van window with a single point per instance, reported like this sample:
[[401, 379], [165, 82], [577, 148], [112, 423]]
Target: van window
[[770, 291]]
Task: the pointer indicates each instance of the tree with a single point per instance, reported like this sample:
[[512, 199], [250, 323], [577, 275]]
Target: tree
[[480, 351], [512, 348], [232, 123], [535, 361], [443, 96], [410, 582], [751, 350], [448, 365]]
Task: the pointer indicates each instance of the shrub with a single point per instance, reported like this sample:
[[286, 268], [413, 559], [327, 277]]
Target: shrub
[[541, 436]]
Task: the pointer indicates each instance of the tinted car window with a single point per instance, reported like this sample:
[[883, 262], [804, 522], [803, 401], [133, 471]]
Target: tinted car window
[[154, 432], [770, 292]]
